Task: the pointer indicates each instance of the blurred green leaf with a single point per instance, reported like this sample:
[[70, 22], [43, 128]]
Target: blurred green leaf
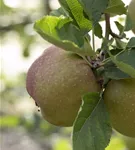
[[116, 144], [9, 121], [92, 129], [62, 144]]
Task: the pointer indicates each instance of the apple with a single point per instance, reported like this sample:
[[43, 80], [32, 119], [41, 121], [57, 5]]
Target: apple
[[119, 97], [57, 80]]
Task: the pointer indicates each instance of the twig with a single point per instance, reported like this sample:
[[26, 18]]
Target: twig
[[109, 30], [115, 35]]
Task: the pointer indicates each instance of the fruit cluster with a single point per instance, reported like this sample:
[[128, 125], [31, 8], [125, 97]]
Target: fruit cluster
[[58, 79]]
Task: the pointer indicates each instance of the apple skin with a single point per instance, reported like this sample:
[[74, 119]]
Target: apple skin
[[131, 12], [56, 81], [119, 97]]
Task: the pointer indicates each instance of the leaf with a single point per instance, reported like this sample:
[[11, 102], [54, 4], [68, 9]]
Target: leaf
[[92, 130], [120, 28], [131, 43], [128, 57], [116, 7], [116, 51], [94, 9], [98, 31], [65, 6], [111, 71], [129, 24], [125, 62], [61, 32], [78, 13]]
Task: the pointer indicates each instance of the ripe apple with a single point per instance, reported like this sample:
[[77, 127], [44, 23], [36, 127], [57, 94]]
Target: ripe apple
[[56, 81], [119, 97], [131, 11]]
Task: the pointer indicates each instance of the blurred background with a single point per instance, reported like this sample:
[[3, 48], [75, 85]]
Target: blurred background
[[21, 125]]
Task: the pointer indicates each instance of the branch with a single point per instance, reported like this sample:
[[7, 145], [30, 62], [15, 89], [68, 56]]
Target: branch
[[108, 28]]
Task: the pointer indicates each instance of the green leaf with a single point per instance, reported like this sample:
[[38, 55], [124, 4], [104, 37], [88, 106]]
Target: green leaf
[[61, 32], [116, 7], [120, 28], [111, 71], [65, 6], [129, 24], [116, 51], [94, 9], [128, 57], [98, 30], [9, 121], [125, 62], [92, 130], [77, 11], [131, 43]]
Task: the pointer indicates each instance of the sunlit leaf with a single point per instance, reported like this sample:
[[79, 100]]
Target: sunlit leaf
[[77, 11], [61, 32]]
